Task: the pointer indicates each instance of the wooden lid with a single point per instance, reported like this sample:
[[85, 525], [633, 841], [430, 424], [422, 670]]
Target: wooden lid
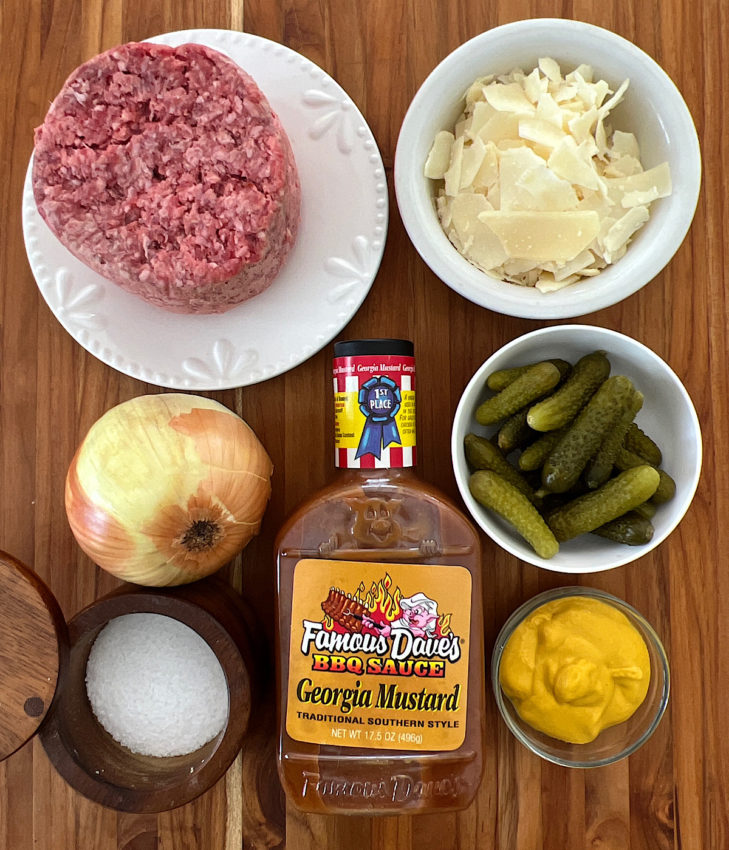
[[32, 641]]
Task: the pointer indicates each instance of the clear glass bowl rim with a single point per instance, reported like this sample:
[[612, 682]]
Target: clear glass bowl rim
[[527, 608]]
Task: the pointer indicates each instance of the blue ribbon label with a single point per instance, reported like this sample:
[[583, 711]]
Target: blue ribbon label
[[379, 401]]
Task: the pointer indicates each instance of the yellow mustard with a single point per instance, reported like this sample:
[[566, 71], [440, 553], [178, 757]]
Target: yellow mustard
[[574, 667]]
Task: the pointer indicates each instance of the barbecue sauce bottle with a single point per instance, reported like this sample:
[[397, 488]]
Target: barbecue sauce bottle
[[380, 634]]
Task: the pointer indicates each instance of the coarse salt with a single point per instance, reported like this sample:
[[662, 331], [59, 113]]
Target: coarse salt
[[156, 686]]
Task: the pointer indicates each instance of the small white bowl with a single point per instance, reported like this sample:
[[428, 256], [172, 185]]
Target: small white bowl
[[653, 109], [667, 415]]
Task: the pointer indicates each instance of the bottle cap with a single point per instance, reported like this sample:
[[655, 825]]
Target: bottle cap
[[364, 347]]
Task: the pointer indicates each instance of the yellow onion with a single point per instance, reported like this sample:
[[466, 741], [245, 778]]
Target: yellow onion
[[165, 489]]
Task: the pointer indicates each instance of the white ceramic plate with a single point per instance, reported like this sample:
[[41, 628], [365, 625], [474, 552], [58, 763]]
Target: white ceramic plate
[[322, 285]]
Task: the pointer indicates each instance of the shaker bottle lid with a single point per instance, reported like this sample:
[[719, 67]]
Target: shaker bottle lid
[[32, 640]]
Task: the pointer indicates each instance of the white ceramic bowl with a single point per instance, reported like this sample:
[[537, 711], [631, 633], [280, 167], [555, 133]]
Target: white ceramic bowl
[[667, 415], [653, 109]]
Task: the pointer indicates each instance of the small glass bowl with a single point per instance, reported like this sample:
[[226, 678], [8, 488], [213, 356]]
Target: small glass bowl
[[614, 743]]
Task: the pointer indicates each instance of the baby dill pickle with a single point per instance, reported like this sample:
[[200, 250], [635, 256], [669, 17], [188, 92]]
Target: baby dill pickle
[[640, 443], [615, 498], [582, 439], [496, 381], [483, 454], [667, 486], [515, 432], [647, 510], [600, 467], [496, 494], [534, 455], [531, 384], [563, 405], [631, 529]]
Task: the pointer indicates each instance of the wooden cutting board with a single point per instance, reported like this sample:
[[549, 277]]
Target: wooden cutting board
[[671, 794]]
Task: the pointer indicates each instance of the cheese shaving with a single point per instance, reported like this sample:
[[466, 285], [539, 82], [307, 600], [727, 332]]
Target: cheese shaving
[[534, 187]]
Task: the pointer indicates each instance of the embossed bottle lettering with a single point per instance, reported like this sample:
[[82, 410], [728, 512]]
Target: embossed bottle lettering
[[380, 615]]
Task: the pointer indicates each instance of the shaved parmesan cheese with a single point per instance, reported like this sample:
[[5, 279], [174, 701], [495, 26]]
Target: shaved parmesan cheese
[[488, 173], [637, 199], [583, 261], [615, 99], [543, 236], [452, 177], [584, 72], [549, 110], [508, 97], [475, 91], [547, 191], [535, 188], [550, 69], [478, 242], [623, 166], [540, 131], [439, 157], [658, 178], [473, 155], [548, 283], [501, 125], [625, 144], [534, 86], [512, 165], [568, 161], [482, 112], [581, 126], [624, 228]]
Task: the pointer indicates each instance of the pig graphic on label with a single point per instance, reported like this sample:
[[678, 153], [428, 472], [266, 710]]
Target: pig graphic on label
[[418, 614]]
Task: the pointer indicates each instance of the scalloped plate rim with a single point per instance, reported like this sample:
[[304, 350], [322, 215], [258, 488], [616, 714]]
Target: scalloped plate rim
[[362, 165]]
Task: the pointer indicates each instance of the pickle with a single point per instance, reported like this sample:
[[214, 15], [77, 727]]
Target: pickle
[[631, 529], [564, 404], [643, 445], [483, 454], [615, 498], [647, 510], [600, 467], [530, 385], [534, 455], [666, 487], [515, 432], [496, 494], [582, 439], [496, 381]]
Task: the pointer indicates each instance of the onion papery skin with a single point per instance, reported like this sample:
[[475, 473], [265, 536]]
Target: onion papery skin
[[165, 489]]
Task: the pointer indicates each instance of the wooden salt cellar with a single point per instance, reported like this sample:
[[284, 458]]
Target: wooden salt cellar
[[43, 687], [33, 649]]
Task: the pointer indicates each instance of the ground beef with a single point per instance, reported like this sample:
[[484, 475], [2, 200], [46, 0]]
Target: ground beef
[[166, 171]]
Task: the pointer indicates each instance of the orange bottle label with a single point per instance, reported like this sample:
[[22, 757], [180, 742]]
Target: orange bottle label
[[379, 655]]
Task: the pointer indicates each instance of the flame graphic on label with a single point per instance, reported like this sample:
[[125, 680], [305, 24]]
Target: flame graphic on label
[[380, 600], [347, 611]]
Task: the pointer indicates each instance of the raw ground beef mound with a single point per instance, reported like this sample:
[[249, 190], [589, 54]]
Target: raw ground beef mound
[[166, 171]]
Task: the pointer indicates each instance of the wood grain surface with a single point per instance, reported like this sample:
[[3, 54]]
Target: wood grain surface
[[673, 793]]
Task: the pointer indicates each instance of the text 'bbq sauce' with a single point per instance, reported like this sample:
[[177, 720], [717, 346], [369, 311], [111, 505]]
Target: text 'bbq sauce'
[[381, 675]]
